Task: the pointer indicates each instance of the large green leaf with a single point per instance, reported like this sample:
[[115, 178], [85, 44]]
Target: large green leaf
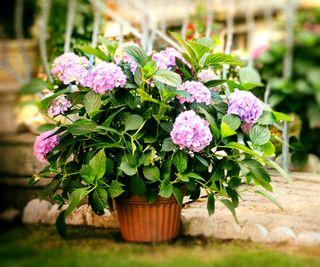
[[92, 102], [137, 186], [168, 145], [82, 127], [33, 87], [210, 204], [199, 49], [115, 189], [167, 77], [230, 207], [75, 197], [259, 172], [259, 135], [220, 59], [98, 164], [137, 54], [87, 173], [108, 121], [166, 188], [61, 224], [178, 194], [95, 51], [152, 173], [232, 120], [133, 122], [180, 160], [214, 83], [226, 130], [268, 149], [249, 75], [99, 200], [127, 168]]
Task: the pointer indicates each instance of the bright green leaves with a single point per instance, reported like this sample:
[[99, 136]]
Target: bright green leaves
[[249, 78], [167, 77], [33, 87], [127, 168], [180, 160], [232, 121], [92, 102], [133, 122], [259, 135], [210, 204], [137, 54], [166, 188], [152, 173], [99, 200], [115, 189], [95, 169], [226, 130], [95, 51], [220, 59], [82, 127]]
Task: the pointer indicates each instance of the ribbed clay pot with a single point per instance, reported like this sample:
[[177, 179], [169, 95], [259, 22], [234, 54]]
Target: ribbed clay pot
[[144, 222]]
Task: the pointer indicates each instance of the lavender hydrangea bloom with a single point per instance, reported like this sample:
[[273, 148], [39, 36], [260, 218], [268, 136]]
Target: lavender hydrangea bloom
[[70, 68], [59, 105], [244, 104], [121, 56], [166, 59], [198, 92], [207, 75], [44, 144], [191, 131], [105, 77]]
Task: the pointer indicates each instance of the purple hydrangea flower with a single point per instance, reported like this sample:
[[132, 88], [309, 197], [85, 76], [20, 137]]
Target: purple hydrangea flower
[[105, 77], [70, 68], [121, 56], [44, 144], [198, 92], [59, 105], [191, 131], [207, 75], [247, 106], [166, 59]]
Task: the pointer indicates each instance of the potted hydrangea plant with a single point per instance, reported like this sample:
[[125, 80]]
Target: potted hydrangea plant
[[147, 130]]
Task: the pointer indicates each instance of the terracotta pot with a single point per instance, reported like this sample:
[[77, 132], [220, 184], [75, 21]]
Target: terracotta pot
[[144, 222]]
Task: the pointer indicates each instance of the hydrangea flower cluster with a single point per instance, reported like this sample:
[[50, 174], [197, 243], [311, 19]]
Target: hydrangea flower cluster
[[207, 75], [59, 105], [198, 92], [191, 131], [104, 77], [44, 144], [70, 68], [244, 104], [166, 59], [121, 56]]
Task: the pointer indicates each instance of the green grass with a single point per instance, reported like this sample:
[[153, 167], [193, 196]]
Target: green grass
[[42, 246]]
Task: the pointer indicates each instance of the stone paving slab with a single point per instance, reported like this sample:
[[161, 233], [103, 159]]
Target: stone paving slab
[[261, 220]]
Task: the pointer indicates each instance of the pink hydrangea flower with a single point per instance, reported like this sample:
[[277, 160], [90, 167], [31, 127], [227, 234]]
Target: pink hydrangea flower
[[59, 105], [70, 68], [198, 92], [105, 77], [121, 56], [207, 75], [166, 59], [246, 105], [191, 131], [44, 144]]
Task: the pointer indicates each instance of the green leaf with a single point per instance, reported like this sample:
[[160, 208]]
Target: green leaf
[[87, 173], [98, 164], [92, 102], [95, 52], [232, 121], [178, 195], [115, 189], [108, 121], [283, 173], [202, 160], [194, 175], [214, 83], [45, 102], [82, 127], [168, 145], [281, 116], [210, 204], [61, 224], [33, 87], [75, 197], [249, 75], [109, 166], [137, 54], [269, 196], [184, 69], [180, 160], [226, 130], [220, 59], [133, 122], [137, 186], [259, 135], [99, 200], [245, 149], [152, 173], [46, 127], [250, 86], [230, 207], [166, 188], [167, 77], [199, 49], [187, 47], [127, 168], [138, 76], [234, 195], [268, 149], [259, 172], [266, 118], [166, 126]]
